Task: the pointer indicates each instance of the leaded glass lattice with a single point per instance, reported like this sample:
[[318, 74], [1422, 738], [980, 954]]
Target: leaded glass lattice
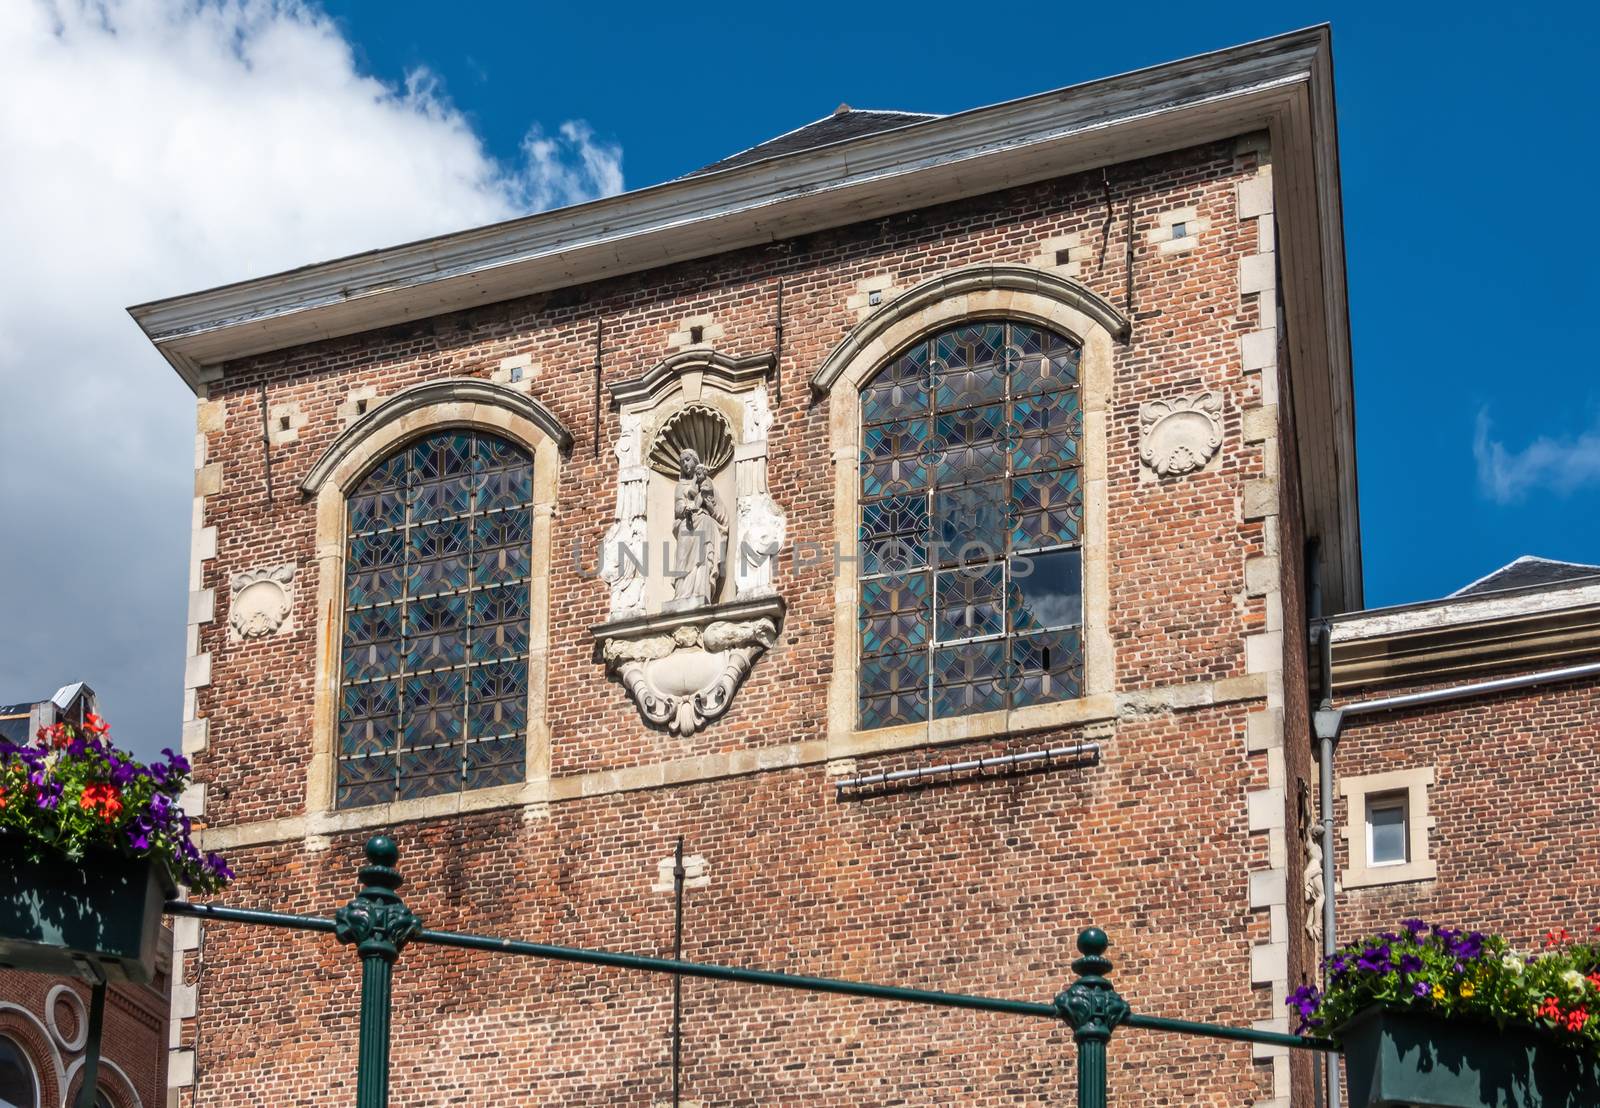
[[971, 525], [434, 681]]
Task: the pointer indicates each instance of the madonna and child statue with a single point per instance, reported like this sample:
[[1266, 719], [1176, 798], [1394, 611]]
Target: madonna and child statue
[[700, 537]]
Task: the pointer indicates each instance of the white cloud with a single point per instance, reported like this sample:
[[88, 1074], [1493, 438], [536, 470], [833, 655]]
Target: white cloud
[[1560, 465], [150, 147]]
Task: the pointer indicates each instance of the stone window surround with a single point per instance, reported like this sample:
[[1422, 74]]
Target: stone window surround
[[407, 415], [1357, 791], [1027, 295]]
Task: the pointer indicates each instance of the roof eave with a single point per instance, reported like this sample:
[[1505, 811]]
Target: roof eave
[[1282, 84]]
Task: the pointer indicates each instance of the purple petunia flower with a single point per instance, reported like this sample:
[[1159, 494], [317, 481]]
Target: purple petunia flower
[[1305, 1001], [1421, 988], [1374, 959], [1415, 927], [1410, 963]]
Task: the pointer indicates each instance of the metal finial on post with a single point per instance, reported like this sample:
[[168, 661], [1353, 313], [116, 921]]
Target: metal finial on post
[[1093, 1008], [379, 924]]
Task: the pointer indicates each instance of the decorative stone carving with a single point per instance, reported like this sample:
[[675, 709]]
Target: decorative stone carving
[[761, 533], [623, 552], [698, 428], [261, 602], [699, 534], [1180, 435], [682, 670], [1312, 892], [674, 639]]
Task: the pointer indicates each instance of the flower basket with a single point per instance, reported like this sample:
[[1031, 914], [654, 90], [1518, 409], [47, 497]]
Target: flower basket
[[1398, 1057], [63, 917]]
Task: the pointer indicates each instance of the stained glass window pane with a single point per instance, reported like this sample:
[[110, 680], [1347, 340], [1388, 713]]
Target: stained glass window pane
[[971, 521], [435, 643]]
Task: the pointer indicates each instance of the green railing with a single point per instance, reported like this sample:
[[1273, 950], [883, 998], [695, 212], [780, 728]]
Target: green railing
[[379, 925]]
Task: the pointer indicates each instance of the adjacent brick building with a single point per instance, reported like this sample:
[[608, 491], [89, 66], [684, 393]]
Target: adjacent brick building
[[1100, 332], [44, 1021]]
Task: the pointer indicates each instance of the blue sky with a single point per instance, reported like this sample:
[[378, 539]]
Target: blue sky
[[1468, 142], [156, 147]]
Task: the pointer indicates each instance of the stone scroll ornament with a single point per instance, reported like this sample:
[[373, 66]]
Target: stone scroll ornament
[[261, 601], [684, 680], [1180, 435]]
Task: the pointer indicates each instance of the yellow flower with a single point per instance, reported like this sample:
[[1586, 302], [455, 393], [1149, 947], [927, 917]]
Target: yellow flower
[[1467, 988], [1438, 992]]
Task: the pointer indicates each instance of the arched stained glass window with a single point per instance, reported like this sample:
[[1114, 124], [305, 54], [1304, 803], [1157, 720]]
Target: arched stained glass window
[[971, 522], [434, 683]]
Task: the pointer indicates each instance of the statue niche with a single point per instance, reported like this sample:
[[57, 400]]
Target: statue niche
[[685, 629]]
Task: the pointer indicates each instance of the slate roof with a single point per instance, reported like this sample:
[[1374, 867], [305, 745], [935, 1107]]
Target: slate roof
[[1528, 571], [845, 123]]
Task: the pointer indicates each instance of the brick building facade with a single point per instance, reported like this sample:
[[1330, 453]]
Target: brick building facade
[[1471, 728], [1144, 272]]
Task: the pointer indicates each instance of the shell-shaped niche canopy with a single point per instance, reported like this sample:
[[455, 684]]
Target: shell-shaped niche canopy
[[695, 427]]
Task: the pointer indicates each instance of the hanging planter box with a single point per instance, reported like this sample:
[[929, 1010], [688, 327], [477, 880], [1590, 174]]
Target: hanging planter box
[[1396, 1058], [62, 917]]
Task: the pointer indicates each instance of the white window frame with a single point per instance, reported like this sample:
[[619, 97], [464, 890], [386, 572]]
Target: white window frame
[[1408, 787]]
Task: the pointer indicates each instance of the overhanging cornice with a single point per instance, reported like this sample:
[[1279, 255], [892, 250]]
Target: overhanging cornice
[[1131, 115], [1282, 85]]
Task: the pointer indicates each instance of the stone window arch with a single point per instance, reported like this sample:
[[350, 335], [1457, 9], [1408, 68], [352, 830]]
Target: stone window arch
[[433, 553], [971, 409]]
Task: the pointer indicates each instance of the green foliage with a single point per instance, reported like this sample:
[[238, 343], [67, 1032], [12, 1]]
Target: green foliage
[[1461, 975], [71, 790]]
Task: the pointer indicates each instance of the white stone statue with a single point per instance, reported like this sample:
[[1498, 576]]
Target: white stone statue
[[700, 536]]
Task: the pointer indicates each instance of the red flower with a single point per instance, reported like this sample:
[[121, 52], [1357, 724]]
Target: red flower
[[3, 800], [1577, 1018], [104, 800], [1550, 1010], [1556, 936], [95, 725]]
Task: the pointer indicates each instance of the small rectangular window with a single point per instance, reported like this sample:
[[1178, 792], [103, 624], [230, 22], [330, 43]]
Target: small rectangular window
[[1387, 831], [1179, 230]]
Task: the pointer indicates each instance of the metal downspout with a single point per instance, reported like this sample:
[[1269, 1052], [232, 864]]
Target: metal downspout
[[1327, 723]]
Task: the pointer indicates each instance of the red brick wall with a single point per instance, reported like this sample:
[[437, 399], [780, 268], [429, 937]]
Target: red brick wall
[[978, 886], [1517, 822], [134, 1038]]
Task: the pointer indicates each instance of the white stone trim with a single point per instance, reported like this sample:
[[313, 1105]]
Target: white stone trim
[[1267, 807], [696, 873], [1357, 791], [1051, 249], [683, 338], [357, 402], [871, 294], [517, 372], [284, 422], [1194, 225]]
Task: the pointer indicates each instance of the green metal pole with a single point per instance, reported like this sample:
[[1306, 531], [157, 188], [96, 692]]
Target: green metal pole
[[1093, 1008], [91, 1047], [379, 924]]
